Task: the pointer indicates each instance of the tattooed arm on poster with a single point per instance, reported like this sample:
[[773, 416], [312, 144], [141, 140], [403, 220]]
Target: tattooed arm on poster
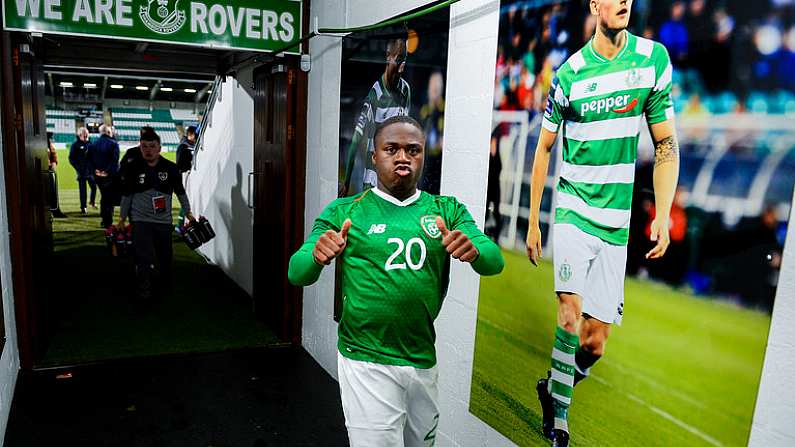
[[666, 174]]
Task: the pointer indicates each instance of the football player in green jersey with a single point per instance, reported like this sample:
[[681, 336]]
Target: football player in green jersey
[[389, 96], [394, 244], [598, 100]]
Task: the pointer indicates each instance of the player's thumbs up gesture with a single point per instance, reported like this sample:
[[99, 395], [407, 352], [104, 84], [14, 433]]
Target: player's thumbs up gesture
[[331, 244], [457, 243]]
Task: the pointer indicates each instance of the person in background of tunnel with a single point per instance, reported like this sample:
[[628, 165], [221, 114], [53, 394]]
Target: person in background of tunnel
[[432, 119], [184, 164], [52, 154], [78, 158], [149, 183], [185, 149], [52, 158], [493, 193], [104, 158]]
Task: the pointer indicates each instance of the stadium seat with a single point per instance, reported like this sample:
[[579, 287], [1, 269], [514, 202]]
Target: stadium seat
[[757, 103], [781, 102], [725, 102]]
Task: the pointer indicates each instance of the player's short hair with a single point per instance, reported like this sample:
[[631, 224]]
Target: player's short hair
[[397, 119], [82, 130], [191, 129], [149, 134], [145, 129]]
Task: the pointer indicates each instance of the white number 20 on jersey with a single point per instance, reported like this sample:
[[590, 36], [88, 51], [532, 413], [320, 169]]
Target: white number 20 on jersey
[[390, 263]]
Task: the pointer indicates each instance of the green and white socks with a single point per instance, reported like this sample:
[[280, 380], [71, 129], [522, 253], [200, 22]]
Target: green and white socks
[[561, 384]]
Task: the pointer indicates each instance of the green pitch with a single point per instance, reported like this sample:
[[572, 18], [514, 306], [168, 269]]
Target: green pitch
[[680, 370]]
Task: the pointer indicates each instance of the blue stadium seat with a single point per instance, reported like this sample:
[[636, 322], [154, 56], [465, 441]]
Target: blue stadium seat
[[725, 102], [757, 103], [781, 102]]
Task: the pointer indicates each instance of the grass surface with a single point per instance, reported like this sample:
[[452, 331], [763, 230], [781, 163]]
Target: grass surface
[[92, 305], [679, 371]]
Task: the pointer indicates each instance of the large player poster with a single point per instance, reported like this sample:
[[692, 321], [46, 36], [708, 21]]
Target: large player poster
[[398, 70], [683, 368]]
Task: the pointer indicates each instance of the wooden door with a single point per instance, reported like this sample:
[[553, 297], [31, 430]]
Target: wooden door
[[278, 183], [27, 177]]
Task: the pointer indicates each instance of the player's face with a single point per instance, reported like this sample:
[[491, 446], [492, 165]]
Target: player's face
[[150, 150], [399, 157], [612, 14]]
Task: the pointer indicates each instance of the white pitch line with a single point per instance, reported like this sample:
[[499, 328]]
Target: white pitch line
[[636, 376], [654, 409], [676, 421]]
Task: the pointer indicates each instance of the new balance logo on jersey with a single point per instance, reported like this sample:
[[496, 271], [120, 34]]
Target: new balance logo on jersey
[[591, 88], [616, 104], [377, 229]]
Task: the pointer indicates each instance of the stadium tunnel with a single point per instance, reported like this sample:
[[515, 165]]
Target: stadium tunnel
[[247, 179]]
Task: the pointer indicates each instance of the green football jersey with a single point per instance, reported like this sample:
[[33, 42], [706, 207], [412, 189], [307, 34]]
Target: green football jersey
[[600, 105], [396, 272]]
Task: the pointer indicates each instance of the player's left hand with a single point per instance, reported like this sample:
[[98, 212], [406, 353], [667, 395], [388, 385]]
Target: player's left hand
[[457, 243], [659, 234]]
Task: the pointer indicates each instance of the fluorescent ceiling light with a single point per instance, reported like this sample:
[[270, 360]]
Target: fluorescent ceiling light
[[66, 84], [166, 89], [142, 87], [89, 85], [190, 90], [209, 91], [116, 86]]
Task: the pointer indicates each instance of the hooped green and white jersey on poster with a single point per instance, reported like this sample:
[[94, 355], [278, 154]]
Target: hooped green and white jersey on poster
[[599, 105], [380, 104], [396, 272]]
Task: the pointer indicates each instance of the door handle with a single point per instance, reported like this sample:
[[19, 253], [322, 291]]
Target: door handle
[[250, 190], [252, 186]]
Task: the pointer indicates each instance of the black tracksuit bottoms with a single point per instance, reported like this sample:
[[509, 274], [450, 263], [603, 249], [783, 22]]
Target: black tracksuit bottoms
[[152, 241]]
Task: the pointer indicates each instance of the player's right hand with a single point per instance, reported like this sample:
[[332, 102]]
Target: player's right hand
[[534, 244], [331, 244]]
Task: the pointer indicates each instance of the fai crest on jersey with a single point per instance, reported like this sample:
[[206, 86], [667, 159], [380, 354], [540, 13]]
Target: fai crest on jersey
[[428, 224], [163, 176], [162, 16], [564, 272]]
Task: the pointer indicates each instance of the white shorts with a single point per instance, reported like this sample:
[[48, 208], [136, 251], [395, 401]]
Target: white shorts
[[591, 268], [388, 406]]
